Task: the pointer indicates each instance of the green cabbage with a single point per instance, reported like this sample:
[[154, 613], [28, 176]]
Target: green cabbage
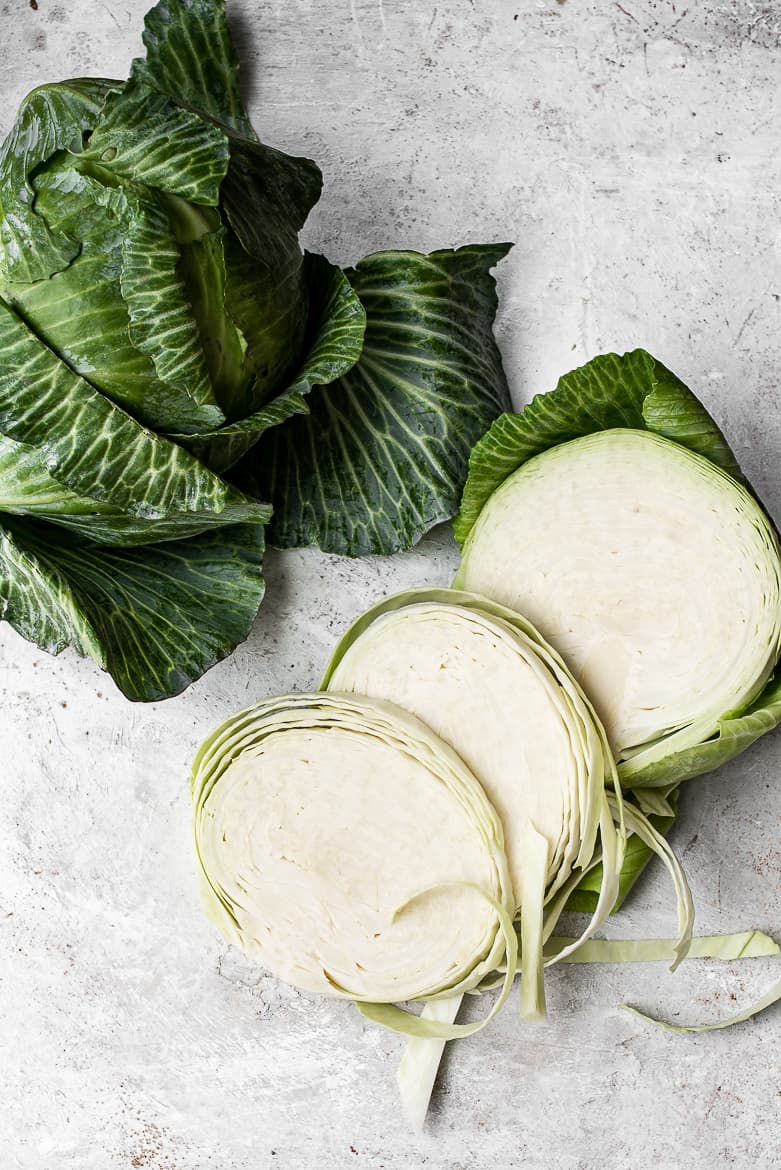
[[161, 336]]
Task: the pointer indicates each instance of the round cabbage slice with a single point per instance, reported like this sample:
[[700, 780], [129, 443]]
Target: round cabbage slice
[[654, 573], [350, 850], [482, 678]]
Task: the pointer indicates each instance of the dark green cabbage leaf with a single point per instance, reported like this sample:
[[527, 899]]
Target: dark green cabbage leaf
[[382, 455]]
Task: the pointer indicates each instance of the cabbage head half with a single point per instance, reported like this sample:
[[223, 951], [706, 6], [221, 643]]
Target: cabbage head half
[[613, 514], [161, 329]]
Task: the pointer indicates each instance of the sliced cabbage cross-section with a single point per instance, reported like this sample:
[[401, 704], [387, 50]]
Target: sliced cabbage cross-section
[[481, 678], [350, 850]]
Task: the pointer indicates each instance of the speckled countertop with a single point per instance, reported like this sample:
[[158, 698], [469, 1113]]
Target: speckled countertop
[[631, 150]]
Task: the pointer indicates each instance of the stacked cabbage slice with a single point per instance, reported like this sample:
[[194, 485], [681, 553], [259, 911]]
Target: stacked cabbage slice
[[654, 573], [484, 680]]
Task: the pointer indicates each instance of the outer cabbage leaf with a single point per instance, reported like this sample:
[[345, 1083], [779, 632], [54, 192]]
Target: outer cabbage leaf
[[98, 313], [191, 58], [632, 390], [155, 617], [735, 733], [28, 489], [382, 455], [266, 198], [161, 321], [89, 446], [51, 118], [143, 136]]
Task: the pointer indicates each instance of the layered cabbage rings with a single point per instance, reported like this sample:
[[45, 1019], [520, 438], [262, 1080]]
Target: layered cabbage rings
[[374, 840]]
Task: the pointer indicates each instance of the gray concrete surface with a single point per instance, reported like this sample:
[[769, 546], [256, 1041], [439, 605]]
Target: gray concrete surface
[[632, 152]]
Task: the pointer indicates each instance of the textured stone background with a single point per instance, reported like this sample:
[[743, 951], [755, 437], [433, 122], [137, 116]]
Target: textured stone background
[[631, 150]]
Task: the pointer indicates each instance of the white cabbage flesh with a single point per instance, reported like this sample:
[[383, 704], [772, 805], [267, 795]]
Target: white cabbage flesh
[[652, 572], [350, 850]]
